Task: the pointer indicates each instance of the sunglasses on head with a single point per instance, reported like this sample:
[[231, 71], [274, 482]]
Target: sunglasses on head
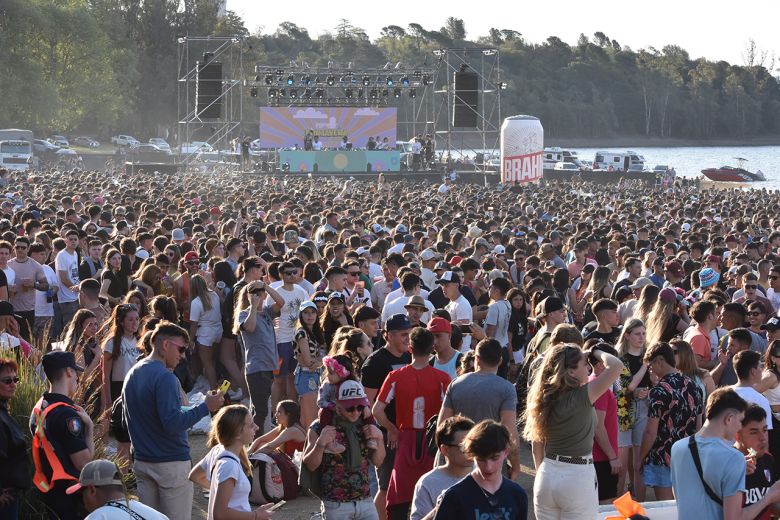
[[9, 380], [358, 408]]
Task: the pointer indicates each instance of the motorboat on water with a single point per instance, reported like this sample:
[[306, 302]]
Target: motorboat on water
[[733, 173]]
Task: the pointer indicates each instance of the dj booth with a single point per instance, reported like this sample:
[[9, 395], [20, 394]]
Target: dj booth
[[340, 161]]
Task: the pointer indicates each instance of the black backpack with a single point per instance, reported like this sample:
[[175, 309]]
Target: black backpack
[[525, 375]]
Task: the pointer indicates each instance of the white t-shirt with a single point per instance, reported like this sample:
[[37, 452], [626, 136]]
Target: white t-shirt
[[392, 295], [219, 466], [750, 395], [460, 310], [116, 513], [498, 314], [128, 356], [397, 307], [357, 300], [70, 264], [42, 307], [771, 295], [209, 318], [375, 271], [10, 276], [284, 325]]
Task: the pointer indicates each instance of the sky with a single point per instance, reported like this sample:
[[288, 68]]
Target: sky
[[715, 29]]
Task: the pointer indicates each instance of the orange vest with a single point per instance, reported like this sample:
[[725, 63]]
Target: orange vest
[[40, 441]]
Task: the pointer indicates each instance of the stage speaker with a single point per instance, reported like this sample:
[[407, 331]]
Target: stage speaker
[[208, 88], [465, 109]]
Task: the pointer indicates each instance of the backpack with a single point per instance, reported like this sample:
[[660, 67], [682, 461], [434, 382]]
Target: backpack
[[274, 478], [525, 376]]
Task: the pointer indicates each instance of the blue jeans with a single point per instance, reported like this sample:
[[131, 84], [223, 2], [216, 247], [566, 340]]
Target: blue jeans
[[657, 476], [362, 510]]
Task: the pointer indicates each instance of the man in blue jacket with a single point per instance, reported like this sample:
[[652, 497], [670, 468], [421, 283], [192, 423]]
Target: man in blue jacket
[[158, 424]]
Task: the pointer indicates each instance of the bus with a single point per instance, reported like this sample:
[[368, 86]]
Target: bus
[[16, 149]]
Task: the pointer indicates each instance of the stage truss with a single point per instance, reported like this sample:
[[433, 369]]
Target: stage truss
[[218, 132]]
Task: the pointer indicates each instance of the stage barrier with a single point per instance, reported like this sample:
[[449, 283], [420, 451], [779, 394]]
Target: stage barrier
[[337, 161]]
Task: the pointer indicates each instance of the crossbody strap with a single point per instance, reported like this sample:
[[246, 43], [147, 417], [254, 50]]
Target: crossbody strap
[[123, 507], [697, 462]]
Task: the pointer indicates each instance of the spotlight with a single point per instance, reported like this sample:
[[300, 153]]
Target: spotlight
[[417, 74], [293, 93], [396, 92], [253, 91], [269, 79], [286, 167], [389, 81], [374, 93], [413, 93], [320, 93], [348, 93], [503, 85], [405, 81], [330, 81], [290, 80], [366, 81], [426, 79], [272, 93]]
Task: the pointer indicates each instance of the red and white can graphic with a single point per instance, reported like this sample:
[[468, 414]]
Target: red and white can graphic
[[522, 149]]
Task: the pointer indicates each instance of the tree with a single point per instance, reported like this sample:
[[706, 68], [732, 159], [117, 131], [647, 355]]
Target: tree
[[454, 28]]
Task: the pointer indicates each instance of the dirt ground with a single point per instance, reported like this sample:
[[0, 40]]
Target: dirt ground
[[305, 506]]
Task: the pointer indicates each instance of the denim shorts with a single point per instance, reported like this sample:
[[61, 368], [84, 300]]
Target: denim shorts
[[306, 381], [287, 359], [657, 476]]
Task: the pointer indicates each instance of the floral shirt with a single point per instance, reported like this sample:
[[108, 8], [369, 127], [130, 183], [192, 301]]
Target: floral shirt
[[675, 401], [339, 482], [625, 400]]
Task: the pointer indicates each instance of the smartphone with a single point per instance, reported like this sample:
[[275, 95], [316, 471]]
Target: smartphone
[[225, 386], [277, 505]]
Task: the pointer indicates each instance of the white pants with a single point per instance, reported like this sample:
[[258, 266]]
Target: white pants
[[565, 491]]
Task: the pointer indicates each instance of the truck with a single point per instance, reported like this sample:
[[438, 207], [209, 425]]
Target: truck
[[16, 151]]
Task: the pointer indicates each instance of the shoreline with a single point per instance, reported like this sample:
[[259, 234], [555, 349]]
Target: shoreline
[[657, 142]]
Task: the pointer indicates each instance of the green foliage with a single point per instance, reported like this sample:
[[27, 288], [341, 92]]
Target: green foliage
[[105, 65]]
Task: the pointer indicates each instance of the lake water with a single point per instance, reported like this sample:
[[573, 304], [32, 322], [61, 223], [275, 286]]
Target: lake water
[[690, 161]]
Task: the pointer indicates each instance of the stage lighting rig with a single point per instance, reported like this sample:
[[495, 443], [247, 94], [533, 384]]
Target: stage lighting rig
[[330, 81], [413, 93], [291, 80], [389, 81], [396, 92], [253, 92], [405, 81], [366, 81]]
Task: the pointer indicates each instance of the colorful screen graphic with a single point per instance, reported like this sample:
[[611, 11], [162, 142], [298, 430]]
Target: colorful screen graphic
[[285, 127]]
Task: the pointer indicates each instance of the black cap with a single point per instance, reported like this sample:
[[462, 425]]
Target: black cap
[[6, 309], [772, 324], [59, 359], [398, 322]]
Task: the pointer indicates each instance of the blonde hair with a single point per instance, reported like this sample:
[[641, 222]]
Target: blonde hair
[[242, 303], [658, 319], [628, 328], [226, 426], [550, 382], [199, 289], [599, 281]]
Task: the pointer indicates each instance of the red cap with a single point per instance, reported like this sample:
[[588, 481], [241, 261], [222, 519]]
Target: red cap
[[713, 259], [191, 255], [455, 260], [215, 211], [439, 324]]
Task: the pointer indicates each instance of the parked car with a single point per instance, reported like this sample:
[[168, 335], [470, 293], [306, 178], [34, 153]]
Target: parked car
[[42, 146], [148, 149], [636, 168], [196, 146], [160, 143], [124, 140], [88, 142], [60, 140], [566, 167], [660, 168]]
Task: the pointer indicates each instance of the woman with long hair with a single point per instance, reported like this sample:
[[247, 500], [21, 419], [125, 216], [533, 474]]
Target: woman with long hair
[[309, 344], [647, 298], [205, 325], [138, 299], [15, 466], [225, 279], [225, 470], [600, 285], [770, 387], [81, 339], [664, 322], [149, 280], [289, 434], [560, 422], [352, 342], [518, 323], [686, 364], [334, 316], [164, 307], [120, 351], [581, 294], [113, 283], [633, 387]]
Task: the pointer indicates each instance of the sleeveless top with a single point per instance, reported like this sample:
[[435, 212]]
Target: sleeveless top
[[773, 396]]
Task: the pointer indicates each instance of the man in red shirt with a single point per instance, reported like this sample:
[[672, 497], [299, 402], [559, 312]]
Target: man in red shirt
[[605, 442], [418, 391], [703, 313]]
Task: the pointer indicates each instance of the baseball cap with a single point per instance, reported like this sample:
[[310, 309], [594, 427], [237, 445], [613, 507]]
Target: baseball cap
[[546, 247], [362, 251], [708, 277], [319, 296], [6, 308], [549, 305], [455, 260], [215, 211], [308, 304], [191, 255], [400, 228], [674, 267], [58, 359], [481, 242], [98, 472], [177, 234], [499, 250], [416, 301], [335, 295], [667, 295], [713, 259], [448, 277], [772, 324], [351, 393], [290, 236], [640, 282], [439, 324], [377, 228], [429, 254], [398, 322], [441, 266]]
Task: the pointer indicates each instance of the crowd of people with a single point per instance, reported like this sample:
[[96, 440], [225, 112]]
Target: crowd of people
[[409, 340]]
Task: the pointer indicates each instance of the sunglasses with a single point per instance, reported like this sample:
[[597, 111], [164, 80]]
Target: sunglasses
[[353, 273], [193, 262], [751, 287], [358, 408], [10, 380], [290, 273], [755, 313], [127, 307]]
